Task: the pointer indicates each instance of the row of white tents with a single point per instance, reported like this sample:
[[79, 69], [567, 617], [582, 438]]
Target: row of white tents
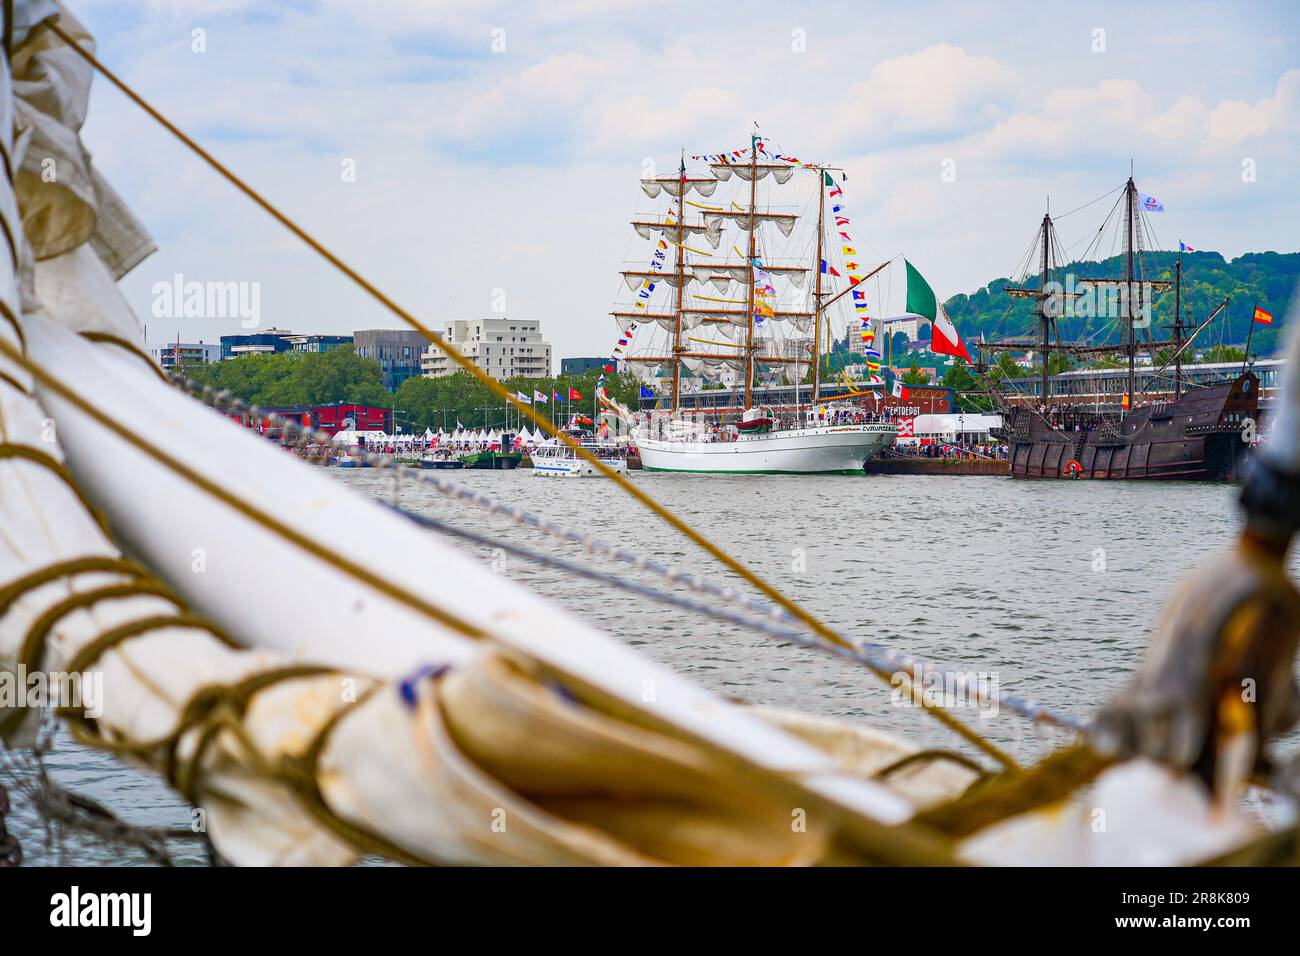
[[461, 436]]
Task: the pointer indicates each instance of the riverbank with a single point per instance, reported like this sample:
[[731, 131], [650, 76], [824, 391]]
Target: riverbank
[[938, 466]]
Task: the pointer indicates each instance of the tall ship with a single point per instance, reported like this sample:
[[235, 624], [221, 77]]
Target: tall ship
[[708, 308], [1170, 429]]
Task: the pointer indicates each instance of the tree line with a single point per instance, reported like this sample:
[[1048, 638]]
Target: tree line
[[340, 375]]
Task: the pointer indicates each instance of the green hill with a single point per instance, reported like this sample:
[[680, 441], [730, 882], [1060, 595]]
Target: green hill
[[1264, 278]]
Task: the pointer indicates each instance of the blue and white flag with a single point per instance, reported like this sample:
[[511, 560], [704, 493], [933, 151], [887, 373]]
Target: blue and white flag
[[1150, 203]]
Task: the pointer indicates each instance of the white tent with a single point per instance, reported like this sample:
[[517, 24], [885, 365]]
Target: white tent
[[428, 434], [955, 427]]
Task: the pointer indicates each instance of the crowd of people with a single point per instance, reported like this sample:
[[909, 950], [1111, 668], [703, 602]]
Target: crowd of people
[[952, 451]]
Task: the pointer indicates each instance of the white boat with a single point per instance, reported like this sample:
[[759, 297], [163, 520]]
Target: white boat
[[832, 440], [554, 459]]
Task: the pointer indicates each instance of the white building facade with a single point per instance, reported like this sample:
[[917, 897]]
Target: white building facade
[[504, 348], [190, 353]]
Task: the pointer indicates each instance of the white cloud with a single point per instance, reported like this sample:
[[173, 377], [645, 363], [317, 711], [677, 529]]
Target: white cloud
[[518, 170], [939, 89]]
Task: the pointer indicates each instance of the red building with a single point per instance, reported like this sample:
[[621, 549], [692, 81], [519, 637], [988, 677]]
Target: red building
[[921, 400], [340, 416]]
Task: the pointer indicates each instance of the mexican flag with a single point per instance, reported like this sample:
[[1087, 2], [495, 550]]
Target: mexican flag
[[944, 339], [900, 391]]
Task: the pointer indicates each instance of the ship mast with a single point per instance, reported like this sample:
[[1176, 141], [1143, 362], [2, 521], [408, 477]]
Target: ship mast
[[1044, 321], [817, 292], [1130, 198], [678, 348], [753, 253], [1128, 282], [1178, 326]]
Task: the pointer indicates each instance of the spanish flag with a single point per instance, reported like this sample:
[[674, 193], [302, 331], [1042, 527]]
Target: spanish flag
[[1262, 317], [1125, 402]]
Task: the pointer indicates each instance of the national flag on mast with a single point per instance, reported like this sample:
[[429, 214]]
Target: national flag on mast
[[900, 391], [1184, 247], [1263, 317], [944, 339]]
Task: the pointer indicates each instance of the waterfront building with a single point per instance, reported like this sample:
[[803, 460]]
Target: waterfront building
[[578, 366], [504, 348], [189, 354], [318, 343], [330, 418], [1106, 386], [397, 351], [267, 342]]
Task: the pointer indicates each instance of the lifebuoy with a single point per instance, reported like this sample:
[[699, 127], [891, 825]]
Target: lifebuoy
[[1072, 469]]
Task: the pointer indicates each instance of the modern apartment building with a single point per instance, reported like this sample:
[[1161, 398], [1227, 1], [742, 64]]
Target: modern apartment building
[[318, 343], [191, 353], [583, 364], [256, 343], [398, 352], [504, 348]]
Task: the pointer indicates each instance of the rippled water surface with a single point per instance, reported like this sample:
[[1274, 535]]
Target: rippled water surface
[[1052, 587]]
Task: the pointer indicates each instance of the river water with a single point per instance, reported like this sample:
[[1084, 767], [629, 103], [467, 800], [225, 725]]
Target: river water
[[1050, 588]]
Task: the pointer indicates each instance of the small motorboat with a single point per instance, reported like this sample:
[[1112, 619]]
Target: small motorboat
[[440, 458], [555, 459]]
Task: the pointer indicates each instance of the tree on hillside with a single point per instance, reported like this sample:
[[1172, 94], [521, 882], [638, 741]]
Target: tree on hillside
[[968, 393], [1268, 279], [914, 375]]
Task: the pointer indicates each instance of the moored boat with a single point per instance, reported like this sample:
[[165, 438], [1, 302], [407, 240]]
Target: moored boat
[[759, 332], [1164, 432], [555, 459], [440, 459], [802, 444], [492, 460]]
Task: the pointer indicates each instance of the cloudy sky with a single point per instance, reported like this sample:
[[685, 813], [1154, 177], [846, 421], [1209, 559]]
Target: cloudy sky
[[497, 146]]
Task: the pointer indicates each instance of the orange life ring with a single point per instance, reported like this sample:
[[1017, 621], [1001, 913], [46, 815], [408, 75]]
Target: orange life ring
[[1072, 469]]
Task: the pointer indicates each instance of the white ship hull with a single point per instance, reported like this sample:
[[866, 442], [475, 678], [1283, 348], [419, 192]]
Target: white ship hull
[[827, 449]]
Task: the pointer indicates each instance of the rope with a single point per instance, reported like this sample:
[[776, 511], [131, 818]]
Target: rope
[[866, 651], [127, 346], [52, 464], [501, 392], [253, 513]]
